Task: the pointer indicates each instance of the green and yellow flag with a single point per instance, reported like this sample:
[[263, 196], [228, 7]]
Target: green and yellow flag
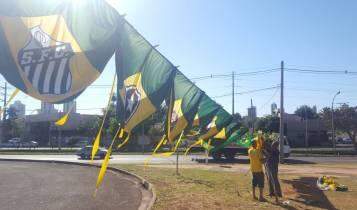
[[52, 50], [227, 131], [187, 97], [207, 109], [218, 122], [144, 77]]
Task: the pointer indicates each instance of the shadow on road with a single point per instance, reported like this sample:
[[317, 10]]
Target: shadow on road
[[308, 193], [296, 161], [222, 161]]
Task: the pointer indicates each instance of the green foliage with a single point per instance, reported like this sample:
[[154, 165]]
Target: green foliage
[[306, 112], [345, 120], [268, 124]]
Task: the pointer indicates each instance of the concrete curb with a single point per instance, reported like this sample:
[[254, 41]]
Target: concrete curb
[[144, 183]]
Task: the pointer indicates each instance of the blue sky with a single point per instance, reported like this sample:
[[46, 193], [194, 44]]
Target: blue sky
[[217, 37]]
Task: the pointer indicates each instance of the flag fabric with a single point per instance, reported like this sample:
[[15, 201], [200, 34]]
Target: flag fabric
[[144, 77], [187, 98], [207, 109], [52, 50], [227, 131], [218, 122]]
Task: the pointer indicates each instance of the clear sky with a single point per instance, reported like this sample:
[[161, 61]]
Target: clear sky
[[217, 37]]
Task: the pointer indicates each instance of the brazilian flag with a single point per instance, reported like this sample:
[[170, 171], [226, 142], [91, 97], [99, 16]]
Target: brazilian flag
[[52, 50], [145, 77], [207, 109], [218, 122], [227, 131], [187, 97]]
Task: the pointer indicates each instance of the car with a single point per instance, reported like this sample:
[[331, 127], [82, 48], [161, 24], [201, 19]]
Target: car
[[15, 142], [86, 153]]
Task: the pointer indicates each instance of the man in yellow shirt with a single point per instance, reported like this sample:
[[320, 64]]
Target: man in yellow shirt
[[256, 167]]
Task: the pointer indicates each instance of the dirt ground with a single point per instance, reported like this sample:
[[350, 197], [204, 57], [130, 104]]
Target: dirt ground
[[212, 185]]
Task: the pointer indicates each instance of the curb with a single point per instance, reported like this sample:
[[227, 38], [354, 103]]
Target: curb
[[144, 183]]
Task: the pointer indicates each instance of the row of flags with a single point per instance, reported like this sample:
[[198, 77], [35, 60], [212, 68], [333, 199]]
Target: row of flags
[[53, 50]]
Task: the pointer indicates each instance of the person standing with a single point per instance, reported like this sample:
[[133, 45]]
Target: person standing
[[271, 170], [256, 167]]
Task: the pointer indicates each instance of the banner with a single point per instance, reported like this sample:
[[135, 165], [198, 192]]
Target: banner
[[187, 97], [53, 50], [221, 120], [144, 78], [207, 109]]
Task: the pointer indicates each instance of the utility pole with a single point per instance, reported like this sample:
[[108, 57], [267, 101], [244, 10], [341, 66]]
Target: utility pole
[[5, 95], [333, 124], [306, 132], [281, 130], [233, 93]]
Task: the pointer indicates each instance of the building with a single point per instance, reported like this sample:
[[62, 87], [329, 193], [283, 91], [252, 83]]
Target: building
[[20, 109], [296, 128], [70, 106], [274, 109], [47, 108], [41, 128], [252, 112]]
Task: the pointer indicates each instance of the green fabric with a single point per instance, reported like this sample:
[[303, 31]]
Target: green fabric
[[135, 54], [223, 119], [207, 109], [189, 93], [237, 138]]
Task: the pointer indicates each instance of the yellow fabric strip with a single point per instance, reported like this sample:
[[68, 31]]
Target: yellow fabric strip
[[168, 154], [105, 163], [199, 141], [146, 162], [97, 139], [125, 141], [63, 120], [9, 101]]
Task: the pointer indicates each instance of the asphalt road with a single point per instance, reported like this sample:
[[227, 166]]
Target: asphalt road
[[26, 185], [191, 159]]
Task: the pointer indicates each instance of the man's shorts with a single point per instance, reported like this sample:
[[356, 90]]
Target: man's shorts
[[258, 179]]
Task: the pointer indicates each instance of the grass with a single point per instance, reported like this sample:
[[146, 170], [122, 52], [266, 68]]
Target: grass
[[207, 189]]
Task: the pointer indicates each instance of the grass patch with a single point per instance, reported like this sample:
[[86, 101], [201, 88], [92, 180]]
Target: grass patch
[[207, 189]]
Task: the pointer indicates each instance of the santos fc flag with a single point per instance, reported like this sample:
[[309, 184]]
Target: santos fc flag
[[52, 50]]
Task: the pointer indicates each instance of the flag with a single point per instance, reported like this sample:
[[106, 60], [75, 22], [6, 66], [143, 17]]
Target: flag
[[207, 109], [218, 122], [144, 78], [187, 97], [52, 50], [227, 131]]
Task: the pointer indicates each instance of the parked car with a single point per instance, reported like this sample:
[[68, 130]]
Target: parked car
[[86, 153], [29, 144], [15, 142]]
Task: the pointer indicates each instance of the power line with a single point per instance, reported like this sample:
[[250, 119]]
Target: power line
[[313, 71], [249, 91]]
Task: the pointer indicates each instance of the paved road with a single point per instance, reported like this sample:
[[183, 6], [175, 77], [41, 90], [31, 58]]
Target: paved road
[[191, 159], [26, 185]]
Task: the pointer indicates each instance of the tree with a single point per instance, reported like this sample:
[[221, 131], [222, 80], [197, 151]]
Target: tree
[[305, 111], [237, 118], [345, 120], [269, 123]]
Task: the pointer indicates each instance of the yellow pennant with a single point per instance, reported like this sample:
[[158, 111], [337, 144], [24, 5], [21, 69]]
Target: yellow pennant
[[198, 142], [105, 163], [63, 120], [97, 139], [168, 154], [10, 99], [104, 167]]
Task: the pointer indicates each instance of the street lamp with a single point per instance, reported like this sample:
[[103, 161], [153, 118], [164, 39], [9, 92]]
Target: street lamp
[[332, 123]]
